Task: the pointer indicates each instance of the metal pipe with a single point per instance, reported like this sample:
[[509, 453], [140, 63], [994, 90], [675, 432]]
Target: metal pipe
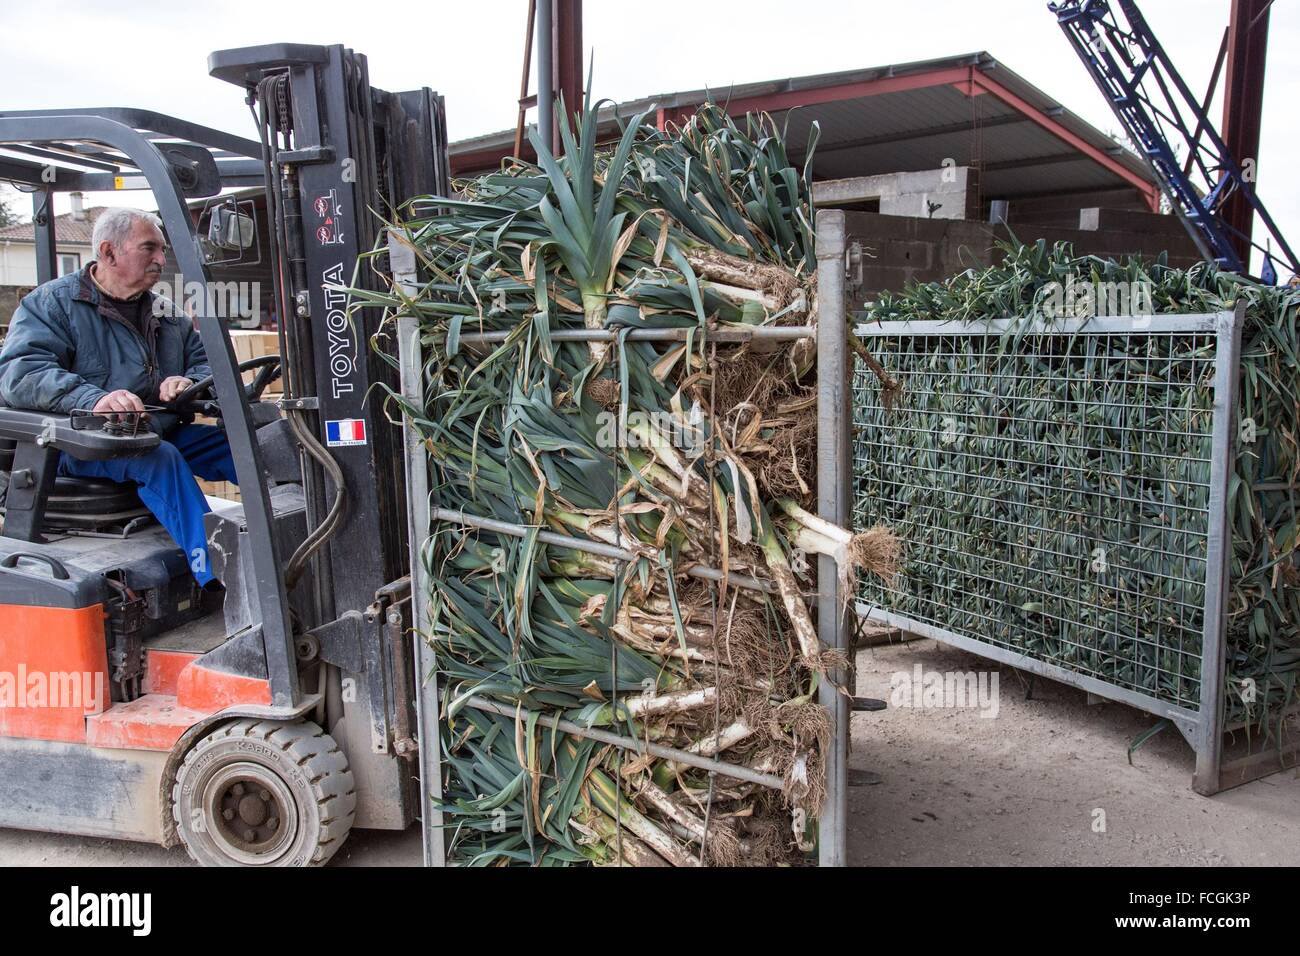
[[1093, 325], [270, 604], [410, 356], [1209, 98], [395, 636], [732, 770], [523, 82], [1243, 97], [584, 544], [1218, 551], [768, 332], [545, 75], [47, 256], [568, 58], [833, 483], [1185, 720], [740, 580]]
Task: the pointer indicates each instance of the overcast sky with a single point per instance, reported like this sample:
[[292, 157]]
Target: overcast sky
[[154, 55]]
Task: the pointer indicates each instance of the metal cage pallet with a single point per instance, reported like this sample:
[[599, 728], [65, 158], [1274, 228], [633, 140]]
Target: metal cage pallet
[[1057, 530], [833, 504]]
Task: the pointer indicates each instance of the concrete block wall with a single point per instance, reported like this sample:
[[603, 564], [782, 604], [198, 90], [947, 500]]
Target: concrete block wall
[[1063, 209], [950, 191], [900, 249]]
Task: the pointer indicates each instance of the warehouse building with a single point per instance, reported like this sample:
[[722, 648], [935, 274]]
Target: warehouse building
[[950, 154]]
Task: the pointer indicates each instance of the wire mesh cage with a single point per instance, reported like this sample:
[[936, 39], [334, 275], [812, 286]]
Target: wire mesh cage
[[1062, 492]]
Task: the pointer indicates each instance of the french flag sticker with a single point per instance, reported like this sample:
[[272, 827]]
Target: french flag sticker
[[345, 431]]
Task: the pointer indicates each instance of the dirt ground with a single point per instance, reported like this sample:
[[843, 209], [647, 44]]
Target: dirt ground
[[22, 848], [1024, 788], [1031, 786]]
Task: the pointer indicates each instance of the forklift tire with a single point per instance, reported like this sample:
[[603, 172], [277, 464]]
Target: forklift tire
[[264, 793]]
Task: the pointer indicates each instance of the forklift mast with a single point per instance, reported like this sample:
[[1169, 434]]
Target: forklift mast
[[339, 155]]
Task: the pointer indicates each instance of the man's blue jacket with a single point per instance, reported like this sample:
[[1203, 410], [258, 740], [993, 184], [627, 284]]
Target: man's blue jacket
[[63, 352]]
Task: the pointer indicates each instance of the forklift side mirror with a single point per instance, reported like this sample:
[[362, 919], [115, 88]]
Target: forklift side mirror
[[229, 229]]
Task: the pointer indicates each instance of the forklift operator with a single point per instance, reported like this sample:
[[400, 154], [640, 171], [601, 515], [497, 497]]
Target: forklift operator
[[99, 339]]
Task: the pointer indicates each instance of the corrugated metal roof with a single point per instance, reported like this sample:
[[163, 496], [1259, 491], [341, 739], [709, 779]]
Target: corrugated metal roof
[[910, 129], [1079, 175]]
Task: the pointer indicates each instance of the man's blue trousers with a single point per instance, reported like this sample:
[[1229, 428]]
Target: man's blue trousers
[[167, 485]]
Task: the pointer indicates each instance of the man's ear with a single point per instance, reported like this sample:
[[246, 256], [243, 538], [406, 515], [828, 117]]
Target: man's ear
[[106, 252]]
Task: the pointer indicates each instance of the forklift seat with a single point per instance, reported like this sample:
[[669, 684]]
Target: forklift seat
[[76, 494], [36, 497]]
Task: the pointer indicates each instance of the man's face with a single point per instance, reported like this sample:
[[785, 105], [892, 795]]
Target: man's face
[[137, 263]]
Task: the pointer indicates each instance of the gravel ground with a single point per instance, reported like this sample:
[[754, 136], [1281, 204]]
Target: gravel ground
[[1045, 782]]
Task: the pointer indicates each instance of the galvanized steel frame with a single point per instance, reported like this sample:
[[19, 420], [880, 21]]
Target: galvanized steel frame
[[410, 357], [833, 481], [1202, 726], [834, 498]]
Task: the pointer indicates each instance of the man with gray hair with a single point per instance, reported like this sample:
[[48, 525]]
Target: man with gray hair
[[100, 340]]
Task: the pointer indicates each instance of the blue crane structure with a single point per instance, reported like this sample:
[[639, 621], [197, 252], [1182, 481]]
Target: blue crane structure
[[1157, 110]]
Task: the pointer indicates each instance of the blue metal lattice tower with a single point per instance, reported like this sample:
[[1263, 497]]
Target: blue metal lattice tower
[[1157, 109]]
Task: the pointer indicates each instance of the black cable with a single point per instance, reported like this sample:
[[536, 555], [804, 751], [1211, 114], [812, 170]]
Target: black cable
[[313, 542], [25, 188]]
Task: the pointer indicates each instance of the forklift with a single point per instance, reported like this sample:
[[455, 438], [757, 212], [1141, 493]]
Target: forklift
[[256, 725]]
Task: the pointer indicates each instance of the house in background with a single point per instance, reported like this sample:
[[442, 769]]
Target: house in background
[[72, 232], [72, 240]]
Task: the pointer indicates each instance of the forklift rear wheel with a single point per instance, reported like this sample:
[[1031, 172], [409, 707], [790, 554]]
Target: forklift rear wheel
[[264, 793]]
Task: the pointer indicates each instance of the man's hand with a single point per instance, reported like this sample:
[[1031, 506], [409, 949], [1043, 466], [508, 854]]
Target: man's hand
[[119, 401], [173, 386]]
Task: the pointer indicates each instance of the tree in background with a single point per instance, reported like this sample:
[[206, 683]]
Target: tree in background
[[7, 215]]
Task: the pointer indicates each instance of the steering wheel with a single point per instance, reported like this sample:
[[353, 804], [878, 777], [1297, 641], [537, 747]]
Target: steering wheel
[[268, 371]]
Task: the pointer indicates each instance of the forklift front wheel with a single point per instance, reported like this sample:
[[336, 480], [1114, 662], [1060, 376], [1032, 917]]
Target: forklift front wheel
[[264, 793]]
